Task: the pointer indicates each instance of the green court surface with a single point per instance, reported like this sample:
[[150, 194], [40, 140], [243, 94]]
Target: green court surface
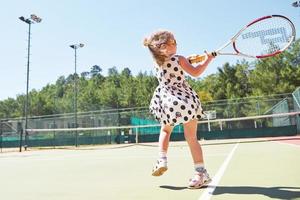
[[241, 169]]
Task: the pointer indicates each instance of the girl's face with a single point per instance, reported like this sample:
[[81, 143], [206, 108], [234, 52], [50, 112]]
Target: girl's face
[[169, 48]]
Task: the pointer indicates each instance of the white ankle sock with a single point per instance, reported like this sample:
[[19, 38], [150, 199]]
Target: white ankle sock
[[162, 154], [199, 167]]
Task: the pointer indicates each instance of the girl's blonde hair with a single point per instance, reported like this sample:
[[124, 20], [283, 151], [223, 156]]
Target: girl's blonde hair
[[154, 41]]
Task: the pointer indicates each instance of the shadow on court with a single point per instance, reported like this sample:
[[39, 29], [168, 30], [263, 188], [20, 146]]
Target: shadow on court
[[176, 187], [172, 187], [271, 192]]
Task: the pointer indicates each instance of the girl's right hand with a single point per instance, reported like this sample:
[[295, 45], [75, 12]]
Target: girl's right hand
[[210, 55]]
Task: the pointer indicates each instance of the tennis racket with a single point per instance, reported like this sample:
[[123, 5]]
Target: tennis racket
[[263, 37]]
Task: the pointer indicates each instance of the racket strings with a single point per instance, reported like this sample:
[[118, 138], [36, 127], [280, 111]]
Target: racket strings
[[265, 37]]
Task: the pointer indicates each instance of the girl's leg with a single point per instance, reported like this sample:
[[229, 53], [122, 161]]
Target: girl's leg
[[190, 134], [201, 176], [164, 138], [163, 144]]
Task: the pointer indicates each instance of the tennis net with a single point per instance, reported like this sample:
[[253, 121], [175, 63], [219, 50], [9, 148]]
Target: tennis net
[[281, 124]]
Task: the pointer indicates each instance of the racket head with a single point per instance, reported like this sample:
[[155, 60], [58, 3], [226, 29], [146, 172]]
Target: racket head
[[264, 37]]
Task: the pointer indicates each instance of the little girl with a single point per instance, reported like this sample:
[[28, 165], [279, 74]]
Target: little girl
[[175, 102]]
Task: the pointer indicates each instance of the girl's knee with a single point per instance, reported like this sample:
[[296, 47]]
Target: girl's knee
[[167, 129]]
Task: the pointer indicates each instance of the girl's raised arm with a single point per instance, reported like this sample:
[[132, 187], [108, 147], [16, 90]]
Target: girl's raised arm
[[194, 71]]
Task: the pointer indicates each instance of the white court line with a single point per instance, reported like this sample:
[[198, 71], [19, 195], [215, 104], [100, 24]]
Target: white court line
[[207, 194], [86, 155]]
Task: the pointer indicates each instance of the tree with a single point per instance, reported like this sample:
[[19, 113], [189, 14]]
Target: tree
[[127, 90], [95, 71], [279, 74]]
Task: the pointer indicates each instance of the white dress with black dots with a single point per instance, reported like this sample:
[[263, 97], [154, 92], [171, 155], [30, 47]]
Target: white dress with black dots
[[174, 101]]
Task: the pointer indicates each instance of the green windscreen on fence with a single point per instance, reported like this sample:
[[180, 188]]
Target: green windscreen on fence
[[139, 121], [296, 97]]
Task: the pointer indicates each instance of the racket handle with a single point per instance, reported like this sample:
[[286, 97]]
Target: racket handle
[[199, 58], [196, 58]]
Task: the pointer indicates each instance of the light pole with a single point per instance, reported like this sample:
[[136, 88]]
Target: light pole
[[75, 47], [33, 19]]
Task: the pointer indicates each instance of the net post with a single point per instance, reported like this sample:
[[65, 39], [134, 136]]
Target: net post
[[136, 135], [54, 134], [211, 114], [122, 140], [109, 136], [21, 130], [129, 135], [255, 124], [54, 139], [221, 126], [1, 134]]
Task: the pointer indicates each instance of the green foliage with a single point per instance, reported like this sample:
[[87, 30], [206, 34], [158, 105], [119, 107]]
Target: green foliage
[[275, 75]]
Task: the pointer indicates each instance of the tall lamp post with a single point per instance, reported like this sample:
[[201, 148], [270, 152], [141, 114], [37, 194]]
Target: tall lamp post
[[75, 47], [33, 19]]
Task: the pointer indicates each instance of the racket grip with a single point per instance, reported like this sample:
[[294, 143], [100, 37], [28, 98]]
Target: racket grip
[[199, 58], [196, 58]]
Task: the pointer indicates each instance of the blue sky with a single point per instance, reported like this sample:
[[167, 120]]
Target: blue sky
[[112, 32]]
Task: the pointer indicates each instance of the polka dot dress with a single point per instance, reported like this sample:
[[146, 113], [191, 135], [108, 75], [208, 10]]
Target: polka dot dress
[[174, 101]]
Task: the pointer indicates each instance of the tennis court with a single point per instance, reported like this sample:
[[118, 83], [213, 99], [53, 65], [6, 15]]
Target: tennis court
[[84, 131], [265, 168]]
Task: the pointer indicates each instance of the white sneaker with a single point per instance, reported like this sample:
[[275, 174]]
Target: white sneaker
[[199, 180], [160, 167]]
